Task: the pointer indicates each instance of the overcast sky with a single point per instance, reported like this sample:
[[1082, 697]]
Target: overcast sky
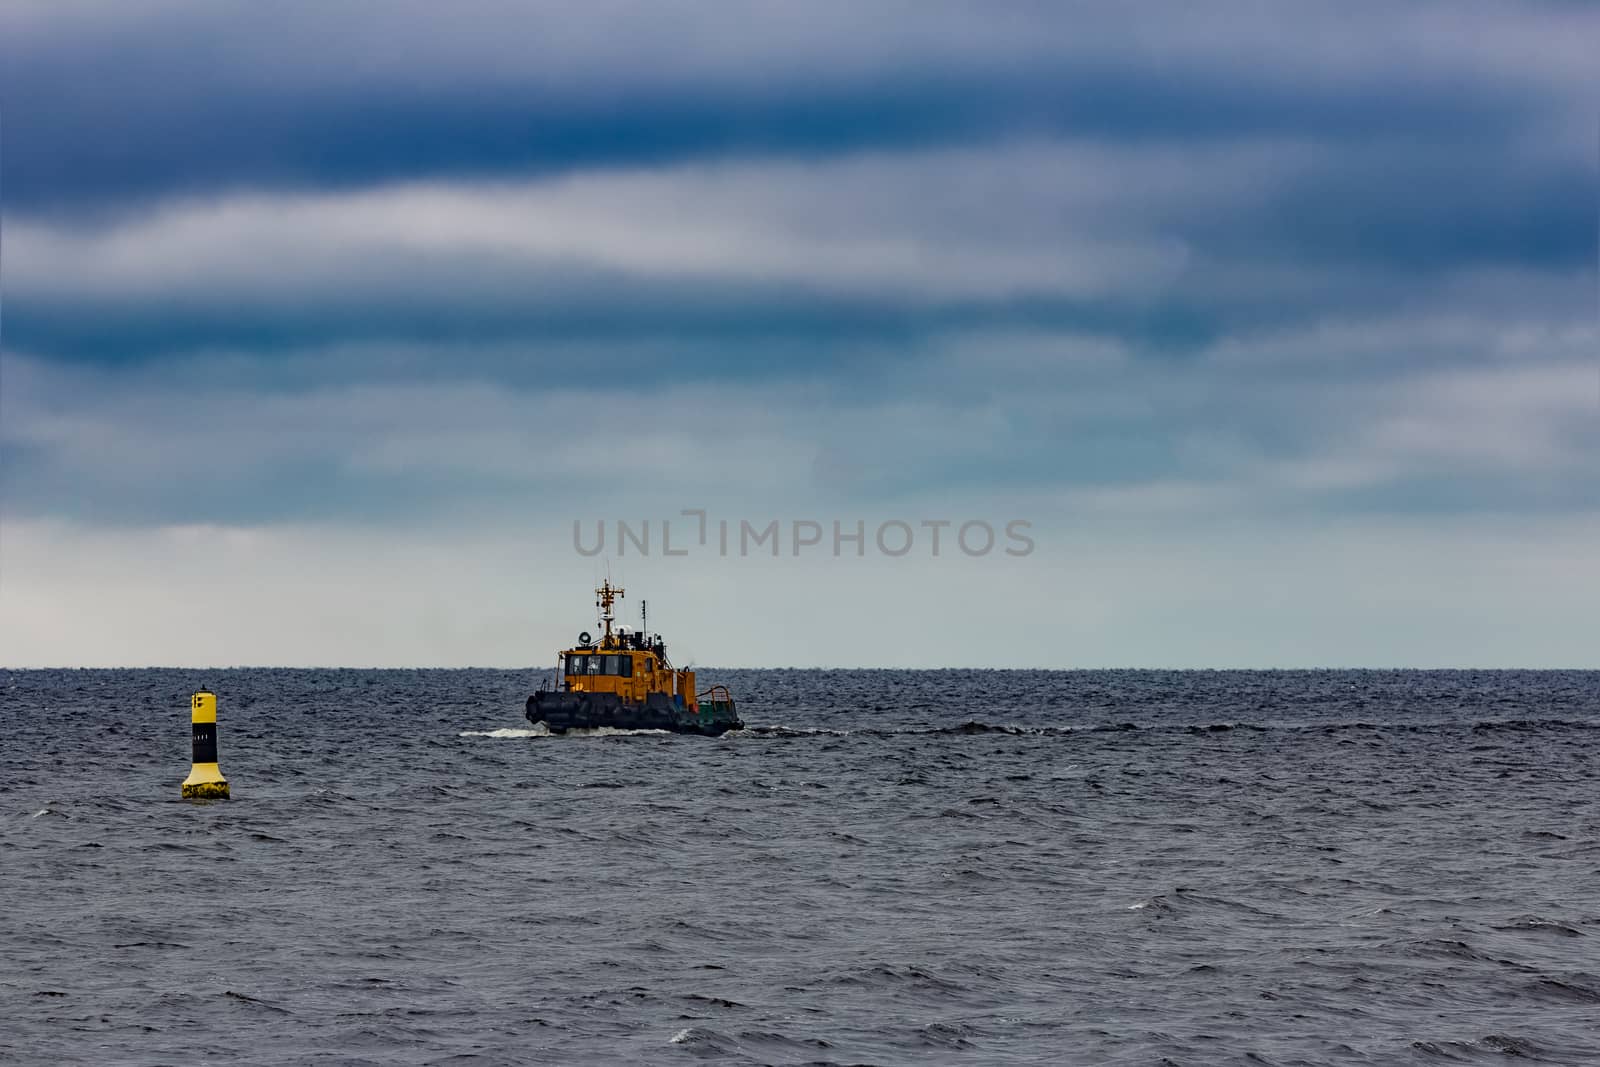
[[1274, 323]]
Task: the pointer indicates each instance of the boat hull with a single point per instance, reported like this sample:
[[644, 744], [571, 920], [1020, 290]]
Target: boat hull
[[563, 711]]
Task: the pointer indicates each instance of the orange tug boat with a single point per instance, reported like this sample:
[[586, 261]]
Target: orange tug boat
[[626, 682]]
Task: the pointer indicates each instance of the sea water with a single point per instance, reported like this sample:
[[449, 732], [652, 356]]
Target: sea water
[[891, 867]]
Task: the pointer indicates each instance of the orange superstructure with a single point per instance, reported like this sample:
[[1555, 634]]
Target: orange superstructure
[[629, 663]]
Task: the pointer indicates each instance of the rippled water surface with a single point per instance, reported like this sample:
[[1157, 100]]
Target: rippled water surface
[[889, 867]]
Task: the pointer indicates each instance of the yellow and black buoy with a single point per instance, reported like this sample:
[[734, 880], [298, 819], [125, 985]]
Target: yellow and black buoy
[[205, 781]]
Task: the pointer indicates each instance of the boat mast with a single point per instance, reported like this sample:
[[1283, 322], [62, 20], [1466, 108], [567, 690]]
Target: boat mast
[[605, 596]]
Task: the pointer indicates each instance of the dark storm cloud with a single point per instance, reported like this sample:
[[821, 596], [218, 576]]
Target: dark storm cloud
[[1443, 136], [1447, 207], [108, 105], [716, 328], [292, 212], [94, 154]]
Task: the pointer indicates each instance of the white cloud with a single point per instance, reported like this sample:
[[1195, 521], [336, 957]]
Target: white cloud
[[1134, 593], [1033, 218], [1534, 427], [1442, 327]]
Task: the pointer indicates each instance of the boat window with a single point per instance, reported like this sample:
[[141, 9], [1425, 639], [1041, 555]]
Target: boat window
[[610, 666], [591, 664], [627, 666], [574, 664]]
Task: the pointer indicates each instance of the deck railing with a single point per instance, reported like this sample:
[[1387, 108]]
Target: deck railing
[[717, 694]]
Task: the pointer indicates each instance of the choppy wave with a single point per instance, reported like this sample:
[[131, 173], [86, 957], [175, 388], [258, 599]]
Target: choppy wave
[[974, 727], [978, 728], [541, 730], [898, 867], [510, 731]]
